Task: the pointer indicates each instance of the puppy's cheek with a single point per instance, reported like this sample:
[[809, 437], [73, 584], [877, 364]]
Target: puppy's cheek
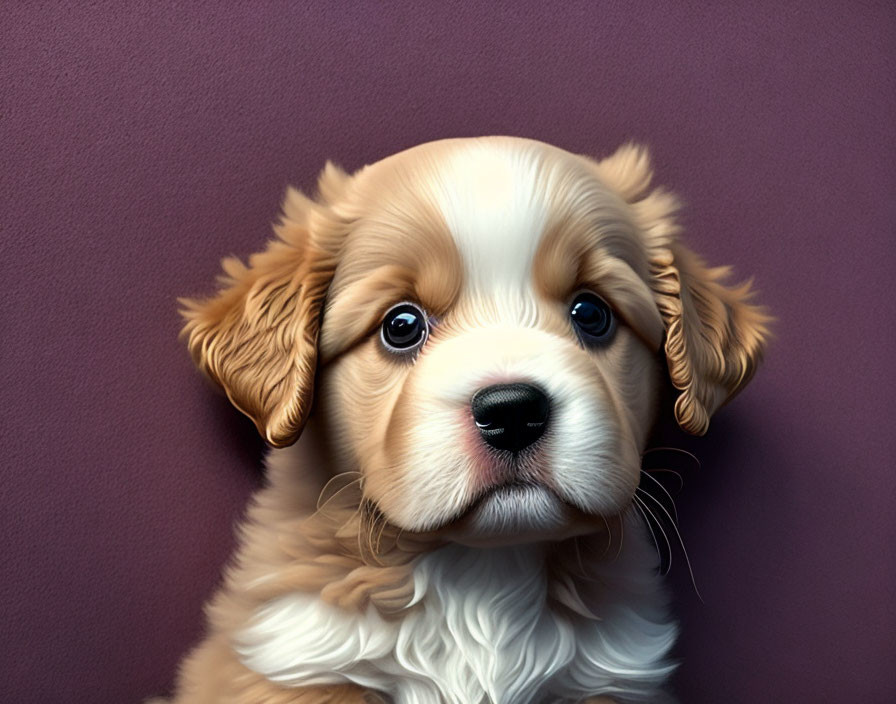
[[592, 457], [423, 478], [381, 424], [597, 433], [604, 425], [633, 373], [330, 400], [356, 394]]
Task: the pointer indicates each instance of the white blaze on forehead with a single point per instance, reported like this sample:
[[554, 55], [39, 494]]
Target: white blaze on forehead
[[492, 197]]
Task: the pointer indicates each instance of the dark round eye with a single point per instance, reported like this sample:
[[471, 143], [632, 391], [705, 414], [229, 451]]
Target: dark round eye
[[404, 327], [592, 317]]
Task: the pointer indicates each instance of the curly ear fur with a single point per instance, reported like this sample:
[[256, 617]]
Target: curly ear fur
[[714, 336], [257, 337]]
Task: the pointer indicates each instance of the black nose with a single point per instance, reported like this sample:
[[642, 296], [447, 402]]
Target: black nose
[[510, 416]]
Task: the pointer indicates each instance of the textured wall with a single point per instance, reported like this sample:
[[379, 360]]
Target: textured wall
[[141, 144]]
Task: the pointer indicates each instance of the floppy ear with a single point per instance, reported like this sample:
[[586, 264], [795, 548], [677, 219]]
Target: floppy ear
[[714, 336], [257, 337]]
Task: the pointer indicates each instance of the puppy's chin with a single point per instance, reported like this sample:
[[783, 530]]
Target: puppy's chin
[[517, 513]]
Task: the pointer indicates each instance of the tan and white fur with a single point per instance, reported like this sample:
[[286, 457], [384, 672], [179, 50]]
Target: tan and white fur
[[392, 556]]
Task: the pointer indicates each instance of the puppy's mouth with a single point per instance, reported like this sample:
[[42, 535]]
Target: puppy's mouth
[[514, 511], [513, 489]]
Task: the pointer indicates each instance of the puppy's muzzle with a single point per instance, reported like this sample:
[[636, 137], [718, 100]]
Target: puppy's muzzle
[[510, 416]]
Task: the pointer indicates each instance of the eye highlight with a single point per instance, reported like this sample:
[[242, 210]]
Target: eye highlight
[[405, 328], [592, 318]]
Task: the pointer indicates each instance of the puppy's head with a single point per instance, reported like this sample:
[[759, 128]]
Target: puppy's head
[[486, 321]]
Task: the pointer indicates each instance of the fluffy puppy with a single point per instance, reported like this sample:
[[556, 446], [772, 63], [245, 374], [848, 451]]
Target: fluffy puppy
[[482, 328]]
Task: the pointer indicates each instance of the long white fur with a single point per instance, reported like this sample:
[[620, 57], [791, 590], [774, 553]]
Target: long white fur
[[494, 202], [480, 630]]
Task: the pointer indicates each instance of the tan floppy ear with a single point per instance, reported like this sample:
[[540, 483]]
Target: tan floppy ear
[[715, 336], [257, 337]]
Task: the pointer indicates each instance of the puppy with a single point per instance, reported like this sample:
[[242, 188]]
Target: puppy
[[479, 330]]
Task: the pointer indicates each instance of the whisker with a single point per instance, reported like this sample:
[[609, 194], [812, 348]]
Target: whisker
[[322, 502], [621, 539], [335, 479], [609, 534], [664, 470], [379, 526], [663, 532], [665, 491], [637, 505], [364, 530], [379, 537], [680, 541], [674, 449]]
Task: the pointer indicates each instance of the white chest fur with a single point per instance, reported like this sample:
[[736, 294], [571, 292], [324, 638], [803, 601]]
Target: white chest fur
[[481, 630]]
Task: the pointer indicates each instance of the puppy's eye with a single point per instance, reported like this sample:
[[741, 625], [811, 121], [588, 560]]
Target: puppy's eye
[[404, 328], [592, 317]]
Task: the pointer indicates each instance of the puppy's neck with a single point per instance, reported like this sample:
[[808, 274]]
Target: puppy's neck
[[476, 571]]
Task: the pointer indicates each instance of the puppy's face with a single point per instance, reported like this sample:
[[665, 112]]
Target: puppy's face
[[493, 318], [489, 343]]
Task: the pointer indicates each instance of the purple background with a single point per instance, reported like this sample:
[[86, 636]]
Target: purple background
[[140, 145]]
